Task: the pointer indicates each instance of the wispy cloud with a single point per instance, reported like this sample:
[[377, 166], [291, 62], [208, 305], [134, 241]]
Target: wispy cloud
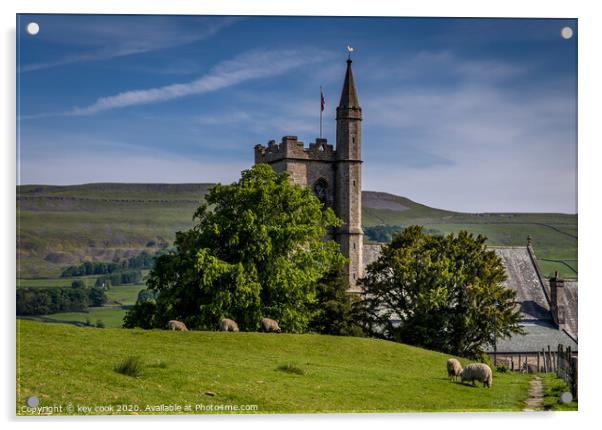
[[93, 41], [256, 64]]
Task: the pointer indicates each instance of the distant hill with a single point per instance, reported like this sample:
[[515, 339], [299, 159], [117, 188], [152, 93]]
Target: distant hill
[[64, 225]]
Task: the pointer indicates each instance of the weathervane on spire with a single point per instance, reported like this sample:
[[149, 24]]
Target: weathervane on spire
[[349, 50]]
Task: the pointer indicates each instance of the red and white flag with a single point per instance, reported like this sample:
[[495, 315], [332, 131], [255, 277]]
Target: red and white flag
[[322, 101]]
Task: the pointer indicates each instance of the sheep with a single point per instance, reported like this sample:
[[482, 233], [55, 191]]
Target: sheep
[[477, 372], [176, 325], [453, 369], [228, 325], [270, 326]]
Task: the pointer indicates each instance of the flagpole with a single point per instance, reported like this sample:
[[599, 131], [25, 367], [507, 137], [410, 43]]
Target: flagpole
[[321, 95]]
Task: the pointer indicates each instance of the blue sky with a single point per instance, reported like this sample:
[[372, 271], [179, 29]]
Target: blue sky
[[464, 114]]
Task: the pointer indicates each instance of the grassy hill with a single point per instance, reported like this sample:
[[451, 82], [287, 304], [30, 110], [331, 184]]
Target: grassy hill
[[63, 225], [279, 373]]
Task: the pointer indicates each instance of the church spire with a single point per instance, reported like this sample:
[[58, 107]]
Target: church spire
[[349, 95], [348, 178]]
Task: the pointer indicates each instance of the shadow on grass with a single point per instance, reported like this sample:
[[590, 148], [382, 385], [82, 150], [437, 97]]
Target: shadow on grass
[[55, 321], [458, 382], [291, 368], [466, 384]]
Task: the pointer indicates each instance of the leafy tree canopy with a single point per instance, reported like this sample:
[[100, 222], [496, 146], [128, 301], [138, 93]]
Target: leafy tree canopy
[[256, 250], [438, 292]]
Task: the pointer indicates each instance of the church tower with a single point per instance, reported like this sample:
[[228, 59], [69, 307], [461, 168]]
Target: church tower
[[348, 177], [333, 174]]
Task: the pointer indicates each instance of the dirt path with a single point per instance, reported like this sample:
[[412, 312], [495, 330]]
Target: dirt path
[[535, 400]]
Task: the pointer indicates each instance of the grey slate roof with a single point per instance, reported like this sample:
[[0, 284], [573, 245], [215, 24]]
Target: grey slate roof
[[571, 316], [522, 277], [532, 293], [539, 334]]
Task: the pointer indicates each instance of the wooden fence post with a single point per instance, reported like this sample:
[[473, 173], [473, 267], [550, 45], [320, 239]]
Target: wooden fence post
[[574, 373], [538, 368], [558, 363], [543, 356]]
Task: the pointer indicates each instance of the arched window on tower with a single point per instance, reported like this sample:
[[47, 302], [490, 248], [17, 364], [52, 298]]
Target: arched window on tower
[[320, 190]]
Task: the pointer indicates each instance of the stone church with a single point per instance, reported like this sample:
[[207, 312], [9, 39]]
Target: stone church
[[333, 173]]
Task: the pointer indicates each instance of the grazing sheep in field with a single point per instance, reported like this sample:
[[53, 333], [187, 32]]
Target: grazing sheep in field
[[228, 325], [176, 325], [477, 372], [270, 326], [453, 369]]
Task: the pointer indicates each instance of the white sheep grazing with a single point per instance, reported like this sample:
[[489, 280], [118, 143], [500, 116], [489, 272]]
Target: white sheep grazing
[[228, 325], [270, 326], [453, 369], [176, 325], [477, 372]]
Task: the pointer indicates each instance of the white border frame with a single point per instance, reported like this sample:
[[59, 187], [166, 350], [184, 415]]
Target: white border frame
[[589, 201]]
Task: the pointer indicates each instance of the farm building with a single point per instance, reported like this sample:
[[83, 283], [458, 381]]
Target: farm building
[[548, 308]]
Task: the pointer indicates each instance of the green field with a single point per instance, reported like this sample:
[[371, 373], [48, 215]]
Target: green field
[[61, 226], [111, 317], [120, 298], [62, 364], [125, 294], [55, 282]]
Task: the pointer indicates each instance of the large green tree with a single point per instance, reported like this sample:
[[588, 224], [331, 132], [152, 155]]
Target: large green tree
[[256, 250], [438, 292]]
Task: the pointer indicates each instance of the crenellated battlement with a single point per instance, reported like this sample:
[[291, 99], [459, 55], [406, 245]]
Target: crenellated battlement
[[292, 148]]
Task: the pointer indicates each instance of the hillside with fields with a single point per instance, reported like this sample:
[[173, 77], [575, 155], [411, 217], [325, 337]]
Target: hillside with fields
[[58, 226], [274, 373]]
